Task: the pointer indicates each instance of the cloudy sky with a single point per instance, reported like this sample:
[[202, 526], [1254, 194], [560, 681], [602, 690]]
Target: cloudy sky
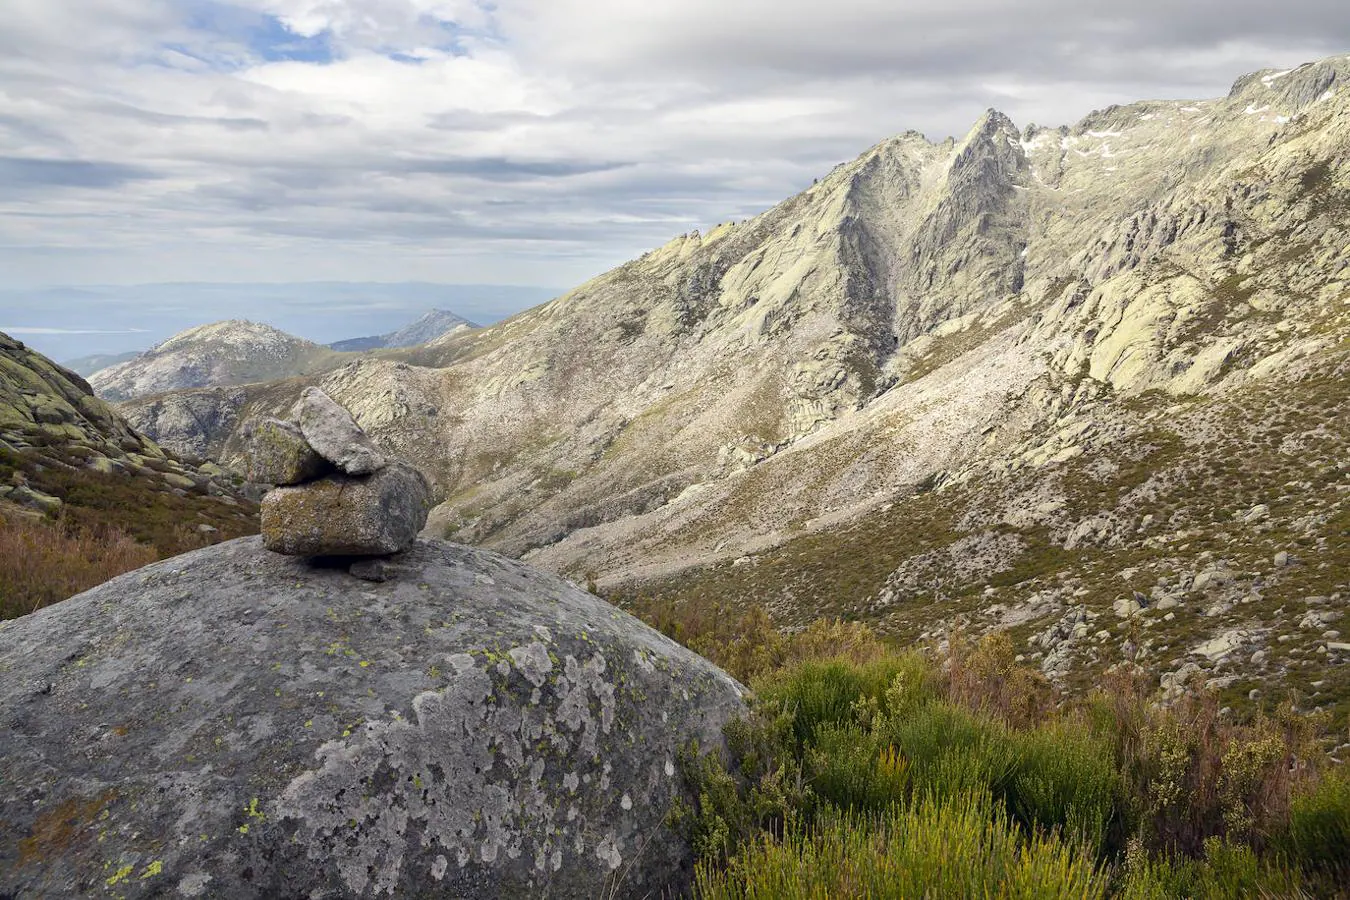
[[528, 142]]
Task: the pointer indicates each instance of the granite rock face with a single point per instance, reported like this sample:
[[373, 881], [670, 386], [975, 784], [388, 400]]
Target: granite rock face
[[335, 436], [279, 454], [237, 723], [345, 515]]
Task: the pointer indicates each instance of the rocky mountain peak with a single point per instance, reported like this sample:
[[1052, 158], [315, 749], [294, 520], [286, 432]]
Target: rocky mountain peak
[[1289, 91]]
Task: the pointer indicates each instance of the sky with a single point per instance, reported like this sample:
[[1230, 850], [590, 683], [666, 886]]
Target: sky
[[519, 142]]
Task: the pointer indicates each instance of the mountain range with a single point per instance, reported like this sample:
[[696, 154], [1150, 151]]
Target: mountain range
[[1087, 384]]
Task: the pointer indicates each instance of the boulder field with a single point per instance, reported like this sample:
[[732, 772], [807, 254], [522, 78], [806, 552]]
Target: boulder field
[[238, 723]]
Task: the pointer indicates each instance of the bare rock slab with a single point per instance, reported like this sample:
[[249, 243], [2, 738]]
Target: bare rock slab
[[334, 434], [345, 515], [279, 454], [235, 723]]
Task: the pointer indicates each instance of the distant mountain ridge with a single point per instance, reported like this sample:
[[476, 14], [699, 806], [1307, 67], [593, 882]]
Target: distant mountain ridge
[[235, 351], [97, 362], [238, 351], [436, 323]]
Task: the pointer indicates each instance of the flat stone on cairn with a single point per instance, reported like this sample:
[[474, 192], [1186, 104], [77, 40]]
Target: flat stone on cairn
[[334, 434], [353, 502]]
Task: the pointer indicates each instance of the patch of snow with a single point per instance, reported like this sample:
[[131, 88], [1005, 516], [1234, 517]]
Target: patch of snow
[[1269, 80], [1102, 134], [1330, 92], [1023, 254], [1251, 109], [1190, 109], [1280, 120], [1146, 117]]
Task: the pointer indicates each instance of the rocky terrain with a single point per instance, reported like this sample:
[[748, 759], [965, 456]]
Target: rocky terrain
[[222, 353], [66, 453], [434, 324], [235, 722], [1085, 383]]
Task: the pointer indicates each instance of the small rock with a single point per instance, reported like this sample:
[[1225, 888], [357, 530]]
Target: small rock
[[1254, 694], [1126, 607], [369, 570], [335, 436], [206, 529], [279, 454], [1258, 657], [1256, 513], [1219, 647], [1168, 603], [1283, 559]]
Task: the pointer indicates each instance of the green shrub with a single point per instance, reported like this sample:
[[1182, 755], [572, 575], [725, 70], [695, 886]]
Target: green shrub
[[957, 848], [818, 694], [952, 751], [1318, 837], [758, 788], [1227, 872], [851, 769], [1066, 779]]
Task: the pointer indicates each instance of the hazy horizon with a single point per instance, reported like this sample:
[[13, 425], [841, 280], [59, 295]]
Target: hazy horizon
[[71, 321]]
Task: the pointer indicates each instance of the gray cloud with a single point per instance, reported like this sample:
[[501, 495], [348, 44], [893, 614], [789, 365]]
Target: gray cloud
[[535, 140], [29, 173]]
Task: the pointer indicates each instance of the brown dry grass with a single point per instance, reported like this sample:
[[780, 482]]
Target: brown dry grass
[[42, 564]]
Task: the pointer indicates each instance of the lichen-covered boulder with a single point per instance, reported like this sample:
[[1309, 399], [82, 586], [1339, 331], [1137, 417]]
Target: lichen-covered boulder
[[279, 454], [334, 434], [343, 515], [236, 723]]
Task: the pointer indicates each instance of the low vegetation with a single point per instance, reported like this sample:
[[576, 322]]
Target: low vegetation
[[42, 563], [866, 771], [105, 525]]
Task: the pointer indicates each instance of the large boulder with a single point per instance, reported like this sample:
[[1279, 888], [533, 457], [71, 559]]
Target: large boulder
[[237, 723], [343, 515]]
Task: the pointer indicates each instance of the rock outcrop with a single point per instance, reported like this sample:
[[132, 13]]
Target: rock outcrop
[[60, 445], [237, 723]]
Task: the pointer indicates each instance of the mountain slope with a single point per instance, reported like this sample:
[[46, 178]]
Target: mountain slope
[[928, 321], [425, 329], [222, 353]]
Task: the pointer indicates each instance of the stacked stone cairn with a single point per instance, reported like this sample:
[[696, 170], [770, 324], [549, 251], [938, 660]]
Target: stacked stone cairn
[[336, 493]]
